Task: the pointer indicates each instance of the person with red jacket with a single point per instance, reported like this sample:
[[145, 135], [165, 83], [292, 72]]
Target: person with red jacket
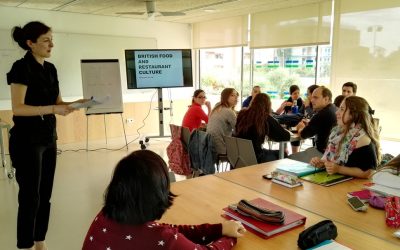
[[195, 115], [137, 196]]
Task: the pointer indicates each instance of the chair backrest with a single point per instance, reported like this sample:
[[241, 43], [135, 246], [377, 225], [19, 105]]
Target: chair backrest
[[185, 136], [240, 152]]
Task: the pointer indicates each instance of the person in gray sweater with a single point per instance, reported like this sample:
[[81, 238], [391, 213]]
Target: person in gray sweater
[[222, 120]]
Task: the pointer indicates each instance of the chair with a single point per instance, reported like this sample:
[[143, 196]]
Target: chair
[[240, 152], [185, 136], [7, 127]]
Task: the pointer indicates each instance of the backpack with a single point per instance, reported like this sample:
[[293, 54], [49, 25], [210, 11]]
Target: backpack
[[178, 157]]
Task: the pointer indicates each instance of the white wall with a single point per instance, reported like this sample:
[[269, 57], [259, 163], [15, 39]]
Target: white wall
[[166, 35]]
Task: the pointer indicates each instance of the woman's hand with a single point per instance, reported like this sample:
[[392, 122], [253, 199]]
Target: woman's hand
[[233, 228], [317, 162], [208, 105], [63, 109], [331, 167]]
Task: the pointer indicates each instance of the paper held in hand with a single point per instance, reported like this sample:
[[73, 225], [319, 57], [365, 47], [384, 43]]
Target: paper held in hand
[[92, 102]]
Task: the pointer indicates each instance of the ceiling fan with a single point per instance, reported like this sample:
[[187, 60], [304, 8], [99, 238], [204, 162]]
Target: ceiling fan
[[151, 11]]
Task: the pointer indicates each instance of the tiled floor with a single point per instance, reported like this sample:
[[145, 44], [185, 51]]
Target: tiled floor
[[81, 178]]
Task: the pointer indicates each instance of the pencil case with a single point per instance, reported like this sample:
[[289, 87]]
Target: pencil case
[[262, 214]]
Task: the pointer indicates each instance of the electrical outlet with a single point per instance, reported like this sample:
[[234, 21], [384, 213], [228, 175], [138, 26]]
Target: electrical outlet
[[129, 120]]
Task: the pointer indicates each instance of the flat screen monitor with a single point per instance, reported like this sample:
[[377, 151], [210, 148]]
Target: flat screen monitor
[[159, 68]]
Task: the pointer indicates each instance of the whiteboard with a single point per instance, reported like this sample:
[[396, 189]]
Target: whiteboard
[[69, 50], [101, 79]]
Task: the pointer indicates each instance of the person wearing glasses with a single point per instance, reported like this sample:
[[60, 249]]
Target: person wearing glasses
[[195, 116]]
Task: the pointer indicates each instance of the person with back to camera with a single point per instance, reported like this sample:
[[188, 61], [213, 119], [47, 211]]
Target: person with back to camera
[[195, 115], [286, 106], [223, 120], [138, 195], [353, 148], [256, 122], [256, 90], [35, 98]]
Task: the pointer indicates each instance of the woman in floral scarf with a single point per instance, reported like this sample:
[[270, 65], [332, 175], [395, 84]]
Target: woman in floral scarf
[[353, 146]]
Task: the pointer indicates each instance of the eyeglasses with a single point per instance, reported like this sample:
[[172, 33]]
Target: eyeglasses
[[202, 97]]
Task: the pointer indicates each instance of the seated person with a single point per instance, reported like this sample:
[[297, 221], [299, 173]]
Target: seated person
[[195, 115], [256, 122], [307, 107], [223, 120], [319, 125], [286, 106], [256, 90], [353, 148], [138, 195], [338, 100], [349, 89]]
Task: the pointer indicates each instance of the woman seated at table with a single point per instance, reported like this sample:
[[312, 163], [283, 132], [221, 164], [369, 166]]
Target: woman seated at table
[[286, 106], [223, 120], [138, 194], [195, 115], [256, 122], [353, 146]]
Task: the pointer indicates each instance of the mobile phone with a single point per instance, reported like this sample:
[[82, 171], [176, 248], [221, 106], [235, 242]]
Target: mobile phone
[[267, 176], [356, 204]]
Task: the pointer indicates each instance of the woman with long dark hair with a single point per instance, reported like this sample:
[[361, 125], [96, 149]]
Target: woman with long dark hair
[[353, 146], [256, 123], [138, 195]]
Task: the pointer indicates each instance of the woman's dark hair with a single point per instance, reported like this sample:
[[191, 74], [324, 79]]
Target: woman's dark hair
[[196, 93], [311, 88], [293, 88], [255, 115], [31, 31], [139, 190], [338, 100]]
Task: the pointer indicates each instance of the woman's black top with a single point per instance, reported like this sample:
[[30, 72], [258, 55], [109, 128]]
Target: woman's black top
[[275, 133], [42, 90], [300, 106], [363, 157]]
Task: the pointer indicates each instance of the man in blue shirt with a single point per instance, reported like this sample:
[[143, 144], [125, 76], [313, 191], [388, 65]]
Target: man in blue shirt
[[256, 90]]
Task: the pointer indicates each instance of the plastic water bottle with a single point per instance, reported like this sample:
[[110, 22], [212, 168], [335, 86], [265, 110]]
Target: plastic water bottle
[[295, 108]]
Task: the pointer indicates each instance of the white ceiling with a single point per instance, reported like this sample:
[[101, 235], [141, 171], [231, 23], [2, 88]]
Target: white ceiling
[[195, 10]]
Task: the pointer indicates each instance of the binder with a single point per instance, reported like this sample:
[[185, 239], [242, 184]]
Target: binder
[[263, 229], [299, 169]]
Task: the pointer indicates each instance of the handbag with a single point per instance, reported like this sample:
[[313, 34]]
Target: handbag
[[317, 233], [392, 211]]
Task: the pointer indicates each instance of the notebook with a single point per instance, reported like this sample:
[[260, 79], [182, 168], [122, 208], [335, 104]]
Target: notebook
[[364, 194], [329, 245], [325, 179], [262, 229], [299, 168]]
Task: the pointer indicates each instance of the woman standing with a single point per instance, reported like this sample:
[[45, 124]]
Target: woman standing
[[256, 122], [195, 115], [35, 98], [353, 146], [223, 119]]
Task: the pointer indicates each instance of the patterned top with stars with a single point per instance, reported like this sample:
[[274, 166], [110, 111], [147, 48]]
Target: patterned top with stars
[[106, 234]]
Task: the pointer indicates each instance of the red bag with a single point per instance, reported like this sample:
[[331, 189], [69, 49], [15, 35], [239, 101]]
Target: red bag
[[392, 209], [178, 157]]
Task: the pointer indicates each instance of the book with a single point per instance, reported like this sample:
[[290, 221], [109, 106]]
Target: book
[[329, 245], [286, 184], [299, 169], [364, 194], [325, 179], [383, 190], [263, 229]]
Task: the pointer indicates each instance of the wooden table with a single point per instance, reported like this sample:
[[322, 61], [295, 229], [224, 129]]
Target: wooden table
[[200, 200], [329, 202]]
